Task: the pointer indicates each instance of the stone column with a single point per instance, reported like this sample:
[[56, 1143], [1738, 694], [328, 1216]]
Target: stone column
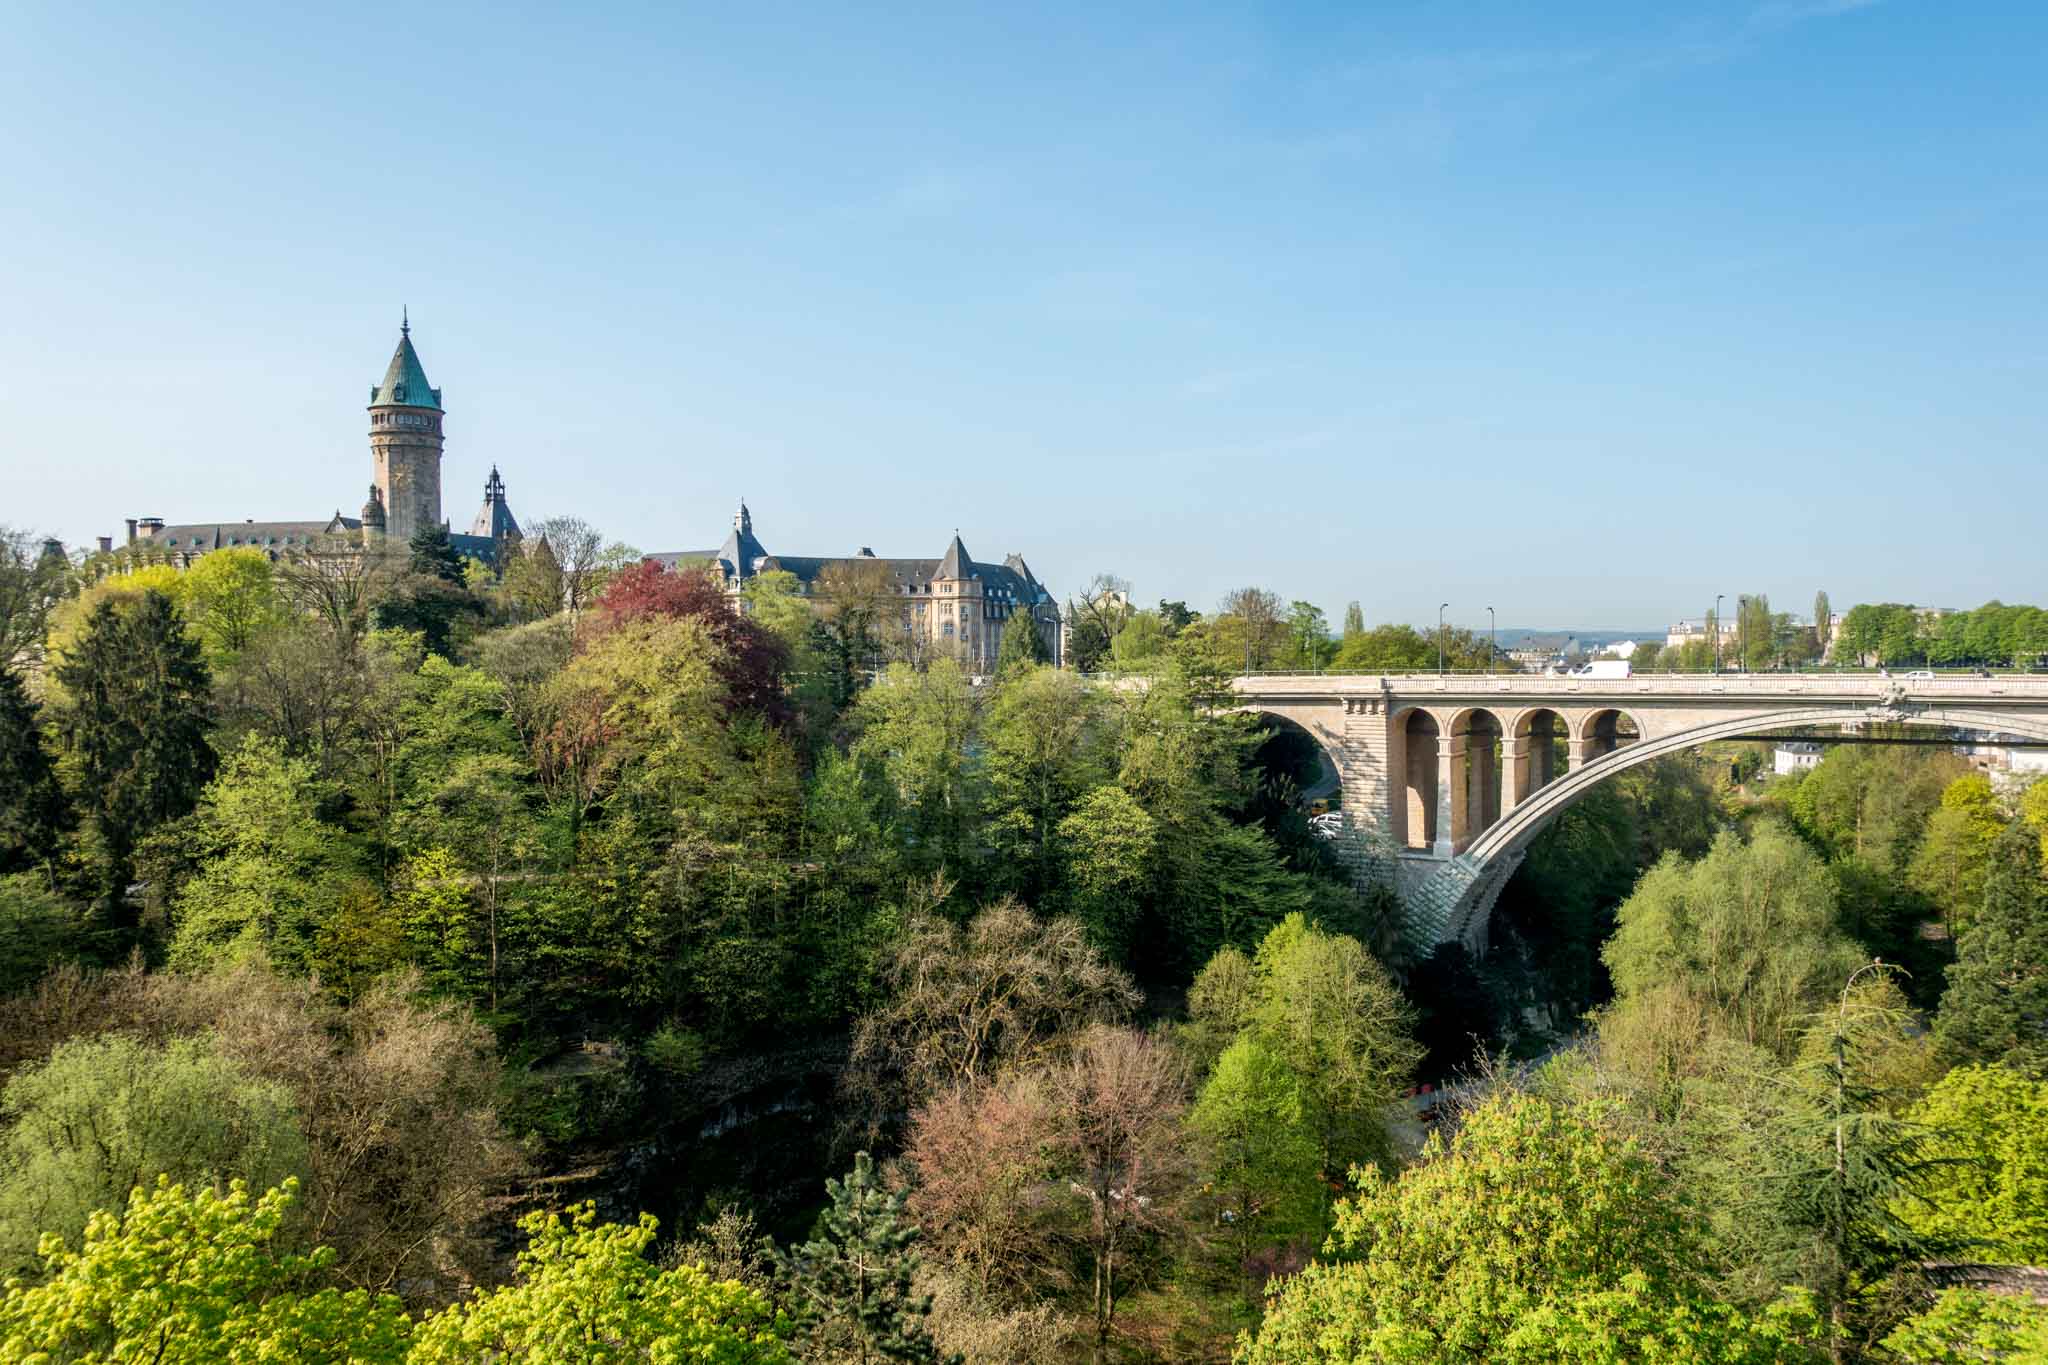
[[1452, 802], [1578, 753], [1514, 773]]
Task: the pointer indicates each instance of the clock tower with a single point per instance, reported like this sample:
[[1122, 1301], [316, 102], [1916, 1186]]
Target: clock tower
[[405, 442]]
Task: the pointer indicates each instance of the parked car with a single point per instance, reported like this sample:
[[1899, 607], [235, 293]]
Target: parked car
[[1921, 675]]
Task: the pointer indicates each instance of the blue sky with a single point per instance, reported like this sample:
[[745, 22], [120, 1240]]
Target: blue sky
[[1585, 311]]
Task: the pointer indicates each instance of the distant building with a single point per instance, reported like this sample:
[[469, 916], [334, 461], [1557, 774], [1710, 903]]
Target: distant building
[[954, 604], [1685, 632], [1795, 756], [1618, 649], [405, 488]]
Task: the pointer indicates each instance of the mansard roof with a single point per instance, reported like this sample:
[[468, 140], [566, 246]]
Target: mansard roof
[[405, 380]]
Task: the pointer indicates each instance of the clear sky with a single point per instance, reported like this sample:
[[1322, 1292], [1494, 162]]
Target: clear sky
[[1585, 311]]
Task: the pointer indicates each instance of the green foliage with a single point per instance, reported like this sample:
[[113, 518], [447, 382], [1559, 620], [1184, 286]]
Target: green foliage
[[1531, 1208], [1109, 841], [1746, 939], [33, 811], [270, 873], [433, 554], [38, 929], [1022, 646], [1044, 744], [852, 1281], [195, 1279], [1955, 850], [1335, 1017], [104, 1115], [1990, 1132], [230, 597], [587, 1292], [1970, 1326], [1995, 1008], [1265, 1161], [135, 726]]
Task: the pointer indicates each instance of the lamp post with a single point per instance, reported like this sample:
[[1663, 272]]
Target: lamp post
[[1714, 628], [1492, 645], [1440, 639]]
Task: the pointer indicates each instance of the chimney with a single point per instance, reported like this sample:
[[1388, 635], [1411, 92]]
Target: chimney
[[150, 526], [106, 545], [131, 530]]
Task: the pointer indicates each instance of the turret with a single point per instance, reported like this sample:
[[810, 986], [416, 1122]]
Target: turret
[[373, 513], [405, 442]]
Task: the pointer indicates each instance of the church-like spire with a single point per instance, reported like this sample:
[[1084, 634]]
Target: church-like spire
[[957, 562], [743, 520], [405, 380]]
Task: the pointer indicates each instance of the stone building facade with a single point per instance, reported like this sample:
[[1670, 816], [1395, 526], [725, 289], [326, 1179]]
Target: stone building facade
[[954, 605], [405, 489]]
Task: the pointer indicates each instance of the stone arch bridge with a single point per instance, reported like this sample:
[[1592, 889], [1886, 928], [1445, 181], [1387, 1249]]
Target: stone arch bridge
[[1447, 777]]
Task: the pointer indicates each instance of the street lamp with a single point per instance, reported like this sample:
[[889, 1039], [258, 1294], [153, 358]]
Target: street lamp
[[1440, 639], [1492, 646], [1714, 626]]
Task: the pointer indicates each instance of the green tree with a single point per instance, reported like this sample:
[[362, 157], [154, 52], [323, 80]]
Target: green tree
[[1265, 1161], [1531, 1206], [1308, 635], [104, 1115], [1746, 937], [587, 1292], [1955, 851], [433, 554], [270, 873], [1995, 1008], [33, 811], [1022, 646], [32, 583], [1109, 841], [1337, 1019], [136, 729], [1843, 1170], [1354, 621], [38, 929], [914, 732], [1990, 1130], [230, 597], [1968, 1326], [198, 1278], [1044, 743], [852, 1281], [1823, 622]]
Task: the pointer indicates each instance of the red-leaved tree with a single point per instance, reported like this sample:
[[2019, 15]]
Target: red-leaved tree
[[755, 659]]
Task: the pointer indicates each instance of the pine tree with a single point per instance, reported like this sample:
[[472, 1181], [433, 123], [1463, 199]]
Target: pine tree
[[851, 1283], [136, 728], [1022, 645], [434, 554], [1850, 1168], [1996, 1006], [32, 809]]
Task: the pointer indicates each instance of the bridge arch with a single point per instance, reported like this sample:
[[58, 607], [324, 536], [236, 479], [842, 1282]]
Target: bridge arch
[[1415, 743], [1456, 900], [1538, 752], [1603, 731]]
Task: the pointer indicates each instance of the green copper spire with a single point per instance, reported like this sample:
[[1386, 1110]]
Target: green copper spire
[[405, 382]]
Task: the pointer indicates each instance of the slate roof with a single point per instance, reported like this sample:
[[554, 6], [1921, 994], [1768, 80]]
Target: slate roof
[[494, 519], [405, 380], [742, 556], [197, 537]]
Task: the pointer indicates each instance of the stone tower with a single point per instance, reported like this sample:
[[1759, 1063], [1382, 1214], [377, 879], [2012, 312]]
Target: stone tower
[[405, 442]]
